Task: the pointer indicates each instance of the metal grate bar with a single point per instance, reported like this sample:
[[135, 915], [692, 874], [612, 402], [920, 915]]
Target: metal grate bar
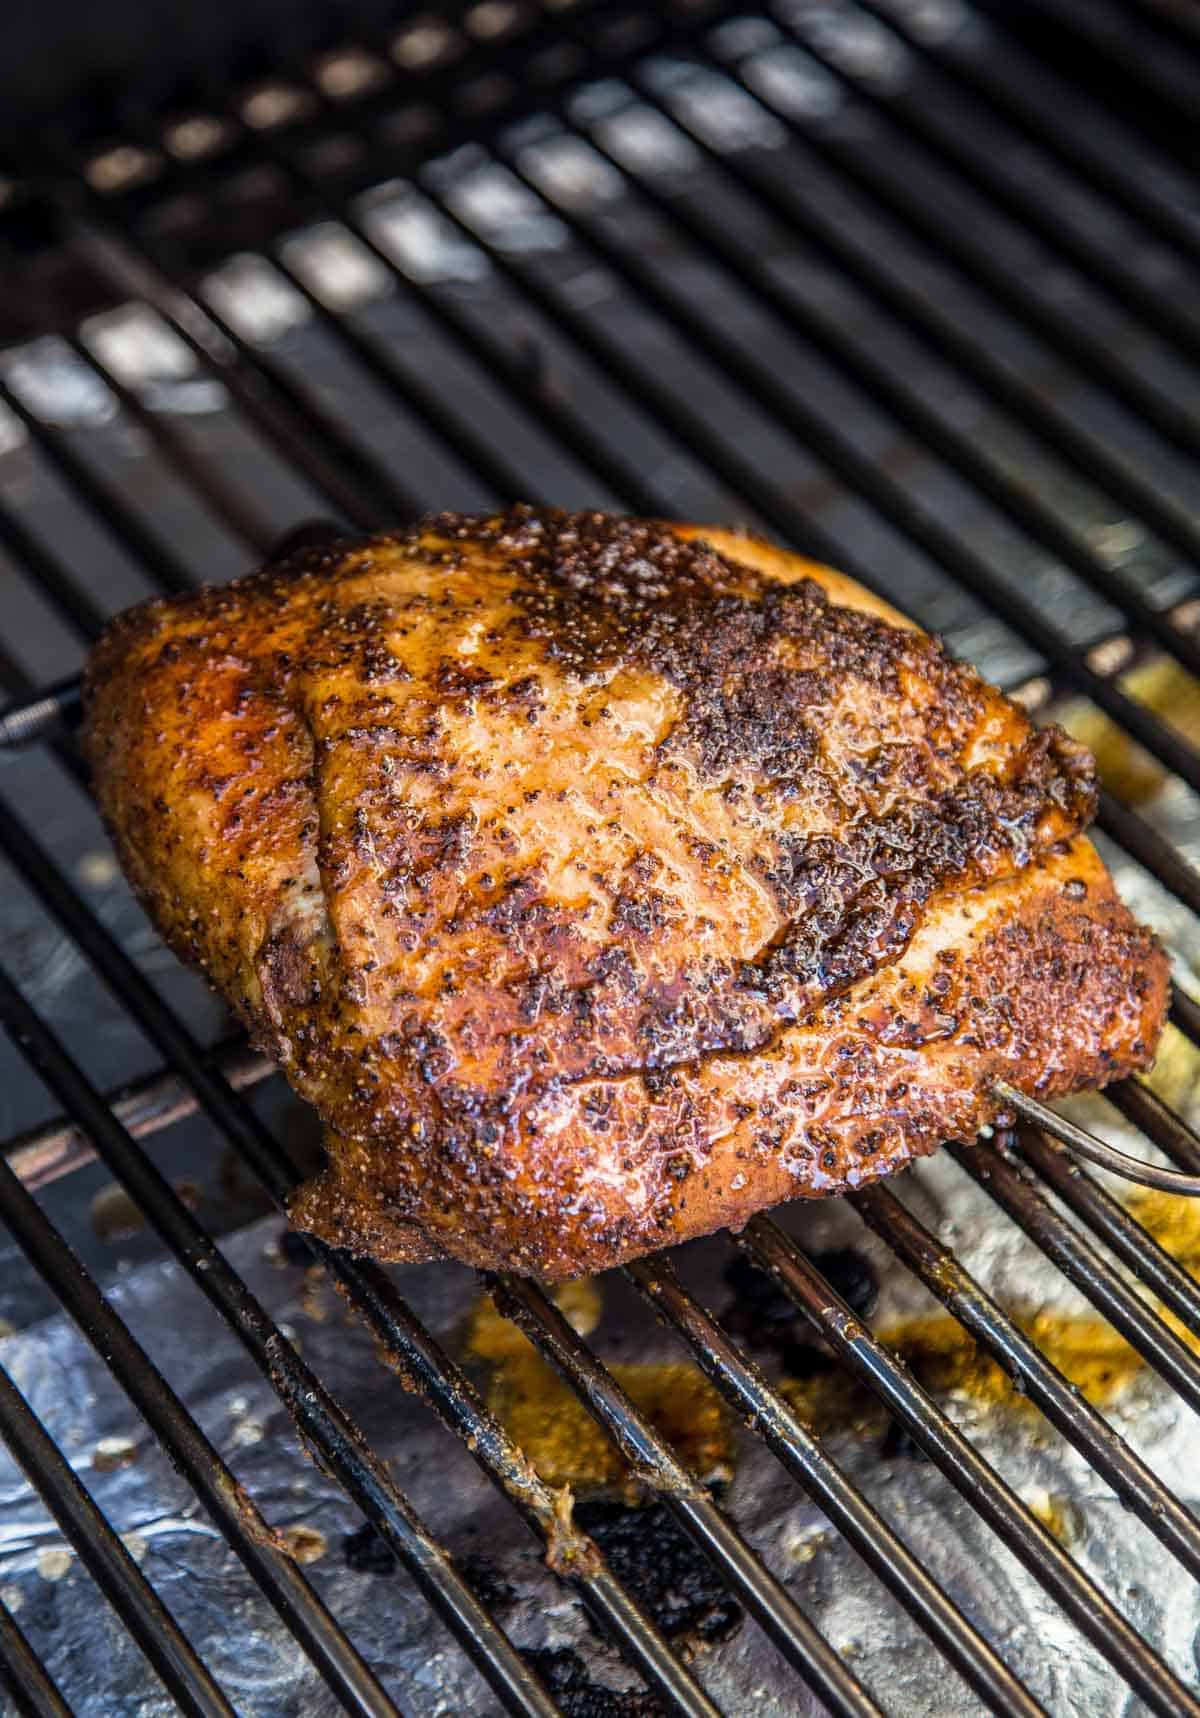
[[653, 1463], [24, 1676], [1173, 24], [103, 500], [144, 1107], [74, 605], [320, 1421], [1072, 1415], [920, 316], [1108, 1219], [967, 1471], [1151, 850], [1142, 1105], [571, 428], [375, 358], [193, 1455], [750, 1395], [259, 385], [861, 474], [1103, 171], [1185, 1013], [240, 516], [824, 334], [1078, 23], [1097, 263], [1082, 1265], [107, 1560], [1061, 331], [571, 1552]]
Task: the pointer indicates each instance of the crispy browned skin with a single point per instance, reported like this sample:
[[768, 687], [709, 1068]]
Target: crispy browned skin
[[602, 882]]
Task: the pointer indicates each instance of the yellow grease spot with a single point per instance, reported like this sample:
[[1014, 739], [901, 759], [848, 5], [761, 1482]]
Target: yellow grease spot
[[493, 1337], [1055, 1513], [545, 1417], [1173, 1222], [304, 1544], [1175, 1076], [946, 1360]]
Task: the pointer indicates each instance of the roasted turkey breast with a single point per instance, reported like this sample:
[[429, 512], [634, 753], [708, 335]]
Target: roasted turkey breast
[[603, 881]]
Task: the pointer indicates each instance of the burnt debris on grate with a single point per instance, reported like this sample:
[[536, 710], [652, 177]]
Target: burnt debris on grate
[[910, 288]]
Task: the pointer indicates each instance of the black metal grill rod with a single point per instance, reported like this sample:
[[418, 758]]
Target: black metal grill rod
[[1141, 1104], [367, 1289], [102, 499], [1082, 1265], [75, 605], [145, 1107], [859, 472], [825, 335], [1171, 524], [1062, 330], [921, 318], [366, 472], [1104, 172], [191, 1453], [23, 1675], [1137, 1250], [325, 1429], [472, 449], [1167, 20], [1024, 1535], [1153, 852], [373, 1296], [1185, 1014], [305, 437], [1080, 23], [680, 421], [769, 1415], [493, 356], [107, 1561], [948, 145], [655, 1466], [240, 517], [1154, 1504]]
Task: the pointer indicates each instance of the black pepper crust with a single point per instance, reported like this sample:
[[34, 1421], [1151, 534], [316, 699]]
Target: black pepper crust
[[533, 844]]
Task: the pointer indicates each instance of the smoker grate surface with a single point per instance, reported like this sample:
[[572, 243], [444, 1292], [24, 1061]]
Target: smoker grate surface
[[908, 286]]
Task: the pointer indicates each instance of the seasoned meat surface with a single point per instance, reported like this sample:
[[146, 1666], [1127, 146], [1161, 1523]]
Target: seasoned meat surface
[[603, 881]]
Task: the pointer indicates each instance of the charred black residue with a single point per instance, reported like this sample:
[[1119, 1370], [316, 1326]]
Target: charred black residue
[[565, 1677], [650, 1554], [367, 1553], [486, 1581], [765, 1318]]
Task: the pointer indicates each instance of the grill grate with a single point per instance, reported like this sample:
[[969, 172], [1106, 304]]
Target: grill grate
[[131, 233]]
